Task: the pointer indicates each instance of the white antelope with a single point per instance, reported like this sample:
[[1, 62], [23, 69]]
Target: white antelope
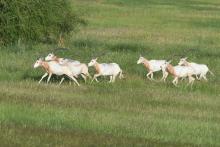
[[76, 69], [104, 69], [52, 57], [152, 66], [178, 72], [52, 67], [199, 69]]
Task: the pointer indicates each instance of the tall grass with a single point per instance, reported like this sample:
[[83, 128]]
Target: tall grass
[[133, 111]]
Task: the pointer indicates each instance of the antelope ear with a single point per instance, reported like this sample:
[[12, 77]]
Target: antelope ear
[[96, 58], [185, 58], [169, 61]]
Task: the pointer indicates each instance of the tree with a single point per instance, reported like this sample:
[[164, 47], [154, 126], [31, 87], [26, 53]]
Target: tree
[[36, 20]]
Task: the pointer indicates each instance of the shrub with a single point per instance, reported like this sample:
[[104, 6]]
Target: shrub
[[36, 20]]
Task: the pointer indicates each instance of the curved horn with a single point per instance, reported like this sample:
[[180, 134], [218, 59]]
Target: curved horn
[[169, 61]]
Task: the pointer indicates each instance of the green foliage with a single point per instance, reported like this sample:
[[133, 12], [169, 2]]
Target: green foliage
[[36, 20], [133, 111]]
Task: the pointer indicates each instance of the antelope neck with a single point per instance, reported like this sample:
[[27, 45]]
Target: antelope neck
[[97, 67], [55, 58], [170, 69], [146, 64], [186, 63], [45, 66]]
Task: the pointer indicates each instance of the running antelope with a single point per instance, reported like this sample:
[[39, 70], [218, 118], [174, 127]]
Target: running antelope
[[178, 72], [152, 66], [76, 69], [52, 67], [199, 69], [106, 69]]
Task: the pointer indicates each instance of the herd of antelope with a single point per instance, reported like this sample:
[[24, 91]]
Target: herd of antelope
[[73, 69]]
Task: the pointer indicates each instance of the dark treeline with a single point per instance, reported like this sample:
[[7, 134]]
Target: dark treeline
[[36, 20]]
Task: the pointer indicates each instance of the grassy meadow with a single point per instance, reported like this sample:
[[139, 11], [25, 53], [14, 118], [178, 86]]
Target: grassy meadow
[[133, 111]]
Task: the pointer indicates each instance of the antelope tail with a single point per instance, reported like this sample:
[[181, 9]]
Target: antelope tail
[[121, 75]]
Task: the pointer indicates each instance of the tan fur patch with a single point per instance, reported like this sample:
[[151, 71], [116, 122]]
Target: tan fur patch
[[46, 66], [171, 70], [97, 68], [186, 63], [146, 64], [55, 58]]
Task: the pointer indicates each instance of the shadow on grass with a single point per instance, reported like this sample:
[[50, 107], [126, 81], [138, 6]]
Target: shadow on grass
[[54, 78]]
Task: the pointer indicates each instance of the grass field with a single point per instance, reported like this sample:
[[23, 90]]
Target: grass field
[[133, 111]]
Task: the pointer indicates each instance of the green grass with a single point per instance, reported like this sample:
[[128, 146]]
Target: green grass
[[133, 111]]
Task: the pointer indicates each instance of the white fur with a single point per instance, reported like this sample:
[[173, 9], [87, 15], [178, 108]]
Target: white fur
[[179, 72], [154, 66], [55, 68], [51, 56], [199, 69], [76, 69], [106, 69]]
